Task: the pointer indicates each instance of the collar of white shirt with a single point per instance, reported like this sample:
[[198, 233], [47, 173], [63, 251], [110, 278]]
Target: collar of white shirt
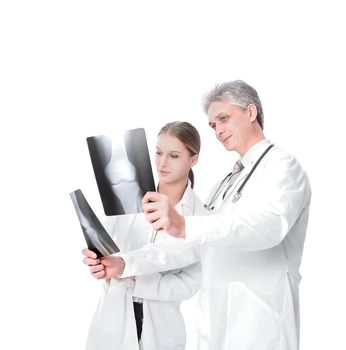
[[186, 201], [252, 155]]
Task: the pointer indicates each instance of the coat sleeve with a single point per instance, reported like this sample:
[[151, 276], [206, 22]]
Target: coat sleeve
[[160, 256], [171, 286], [263, 220]]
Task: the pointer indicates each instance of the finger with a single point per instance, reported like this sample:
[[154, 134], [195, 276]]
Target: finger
[[89, 253], [110, 261], [90, 262], [152, 217], [99, 274], [96, 268], [116, 263], [150, 207], [151, 197], [159, 224]]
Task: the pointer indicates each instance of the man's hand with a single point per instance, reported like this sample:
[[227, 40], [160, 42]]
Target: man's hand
[[162, 215], [104, 268]]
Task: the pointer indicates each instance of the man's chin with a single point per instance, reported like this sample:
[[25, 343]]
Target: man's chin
[[228, 147]]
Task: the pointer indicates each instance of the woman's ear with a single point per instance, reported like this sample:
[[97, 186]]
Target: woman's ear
[[194, 160]]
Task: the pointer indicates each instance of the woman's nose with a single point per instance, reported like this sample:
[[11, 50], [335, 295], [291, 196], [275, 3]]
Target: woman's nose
[[163, 161]]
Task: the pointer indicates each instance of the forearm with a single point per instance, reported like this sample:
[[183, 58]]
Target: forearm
[[260, 221], [169, 287], [160, 256], [257, 231]]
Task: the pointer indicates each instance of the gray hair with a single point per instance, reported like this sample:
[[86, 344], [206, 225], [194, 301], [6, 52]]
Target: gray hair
[[238, 93]]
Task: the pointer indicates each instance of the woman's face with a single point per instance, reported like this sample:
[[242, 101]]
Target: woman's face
[[173, 161]]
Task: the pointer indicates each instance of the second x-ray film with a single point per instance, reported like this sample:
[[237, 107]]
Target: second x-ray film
[[97, 238]]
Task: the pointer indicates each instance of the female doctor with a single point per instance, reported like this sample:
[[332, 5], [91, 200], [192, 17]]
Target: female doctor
[[154, 298]]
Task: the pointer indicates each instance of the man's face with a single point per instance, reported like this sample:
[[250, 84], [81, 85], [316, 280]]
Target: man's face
[[232, 125]]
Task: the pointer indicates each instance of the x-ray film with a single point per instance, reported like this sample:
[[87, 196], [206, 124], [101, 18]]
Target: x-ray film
[[122, 170], [97, 238]]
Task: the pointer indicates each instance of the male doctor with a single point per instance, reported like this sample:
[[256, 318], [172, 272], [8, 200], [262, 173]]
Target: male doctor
[[251, 244]]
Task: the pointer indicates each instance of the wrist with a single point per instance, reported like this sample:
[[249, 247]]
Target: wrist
[[121, 267]]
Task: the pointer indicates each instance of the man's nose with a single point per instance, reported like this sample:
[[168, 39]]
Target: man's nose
[[219, 129]]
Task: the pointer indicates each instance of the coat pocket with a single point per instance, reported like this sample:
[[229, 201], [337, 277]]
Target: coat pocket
[[113, 325], [251, 323], [167, 324]]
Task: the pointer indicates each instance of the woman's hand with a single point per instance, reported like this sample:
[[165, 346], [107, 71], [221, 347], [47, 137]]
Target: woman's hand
[[104, 268], [160, 212]]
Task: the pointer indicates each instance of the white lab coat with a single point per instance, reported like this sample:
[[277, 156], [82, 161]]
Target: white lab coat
[[250, 257], [113, 325]]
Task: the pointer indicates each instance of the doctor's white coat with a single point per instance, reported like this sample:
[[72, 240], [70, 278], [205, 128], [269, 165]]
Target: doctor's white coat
[[113, 325], [250, 257]]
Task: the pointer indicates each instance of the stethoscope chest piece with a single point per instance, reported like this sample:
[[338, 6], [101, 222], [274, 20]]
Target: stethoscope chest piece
[[206, 206], [236, 197]]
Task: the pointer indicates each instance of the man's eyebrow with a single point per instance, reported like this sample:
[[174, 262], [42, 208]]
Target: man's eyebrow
[[222, 114], [219, 117]]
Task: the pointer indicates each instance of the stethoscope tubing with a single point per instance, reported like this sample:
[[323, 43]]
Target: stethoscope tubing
[[238, 194]]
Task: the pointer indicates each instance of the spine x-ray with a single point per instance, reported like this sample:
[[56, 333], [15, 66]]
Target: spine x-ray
[[97, 238], [122, 170]]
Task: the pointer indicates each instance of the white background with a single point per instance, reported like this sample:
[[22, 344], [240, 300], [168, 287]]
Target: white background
[[71, 69]]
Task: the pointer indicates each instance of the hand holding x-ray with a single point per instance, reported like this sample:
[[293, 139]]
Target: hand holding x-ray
[[162, 215], [104, 268]]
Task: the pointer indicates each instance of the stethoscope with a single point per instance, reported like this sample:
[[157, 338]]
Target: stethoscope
[[238, 194]]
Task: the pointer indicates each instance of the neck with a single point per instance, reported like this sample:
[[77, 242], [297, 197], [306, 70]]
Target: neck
[[173, 191], [256, 137]]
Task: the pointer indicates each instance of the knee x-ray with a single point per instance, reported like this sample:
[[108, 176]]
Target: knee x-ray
[[122, 170]]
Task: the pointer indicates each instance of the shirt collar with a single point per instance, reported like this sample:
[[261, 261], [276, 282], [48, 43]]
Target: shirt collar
[[251, 156], [187, 199]]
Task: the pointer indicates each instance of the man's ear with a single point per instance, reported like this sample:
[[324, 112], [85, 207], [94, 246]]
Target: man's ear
[[194, 160], [252, 112]]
